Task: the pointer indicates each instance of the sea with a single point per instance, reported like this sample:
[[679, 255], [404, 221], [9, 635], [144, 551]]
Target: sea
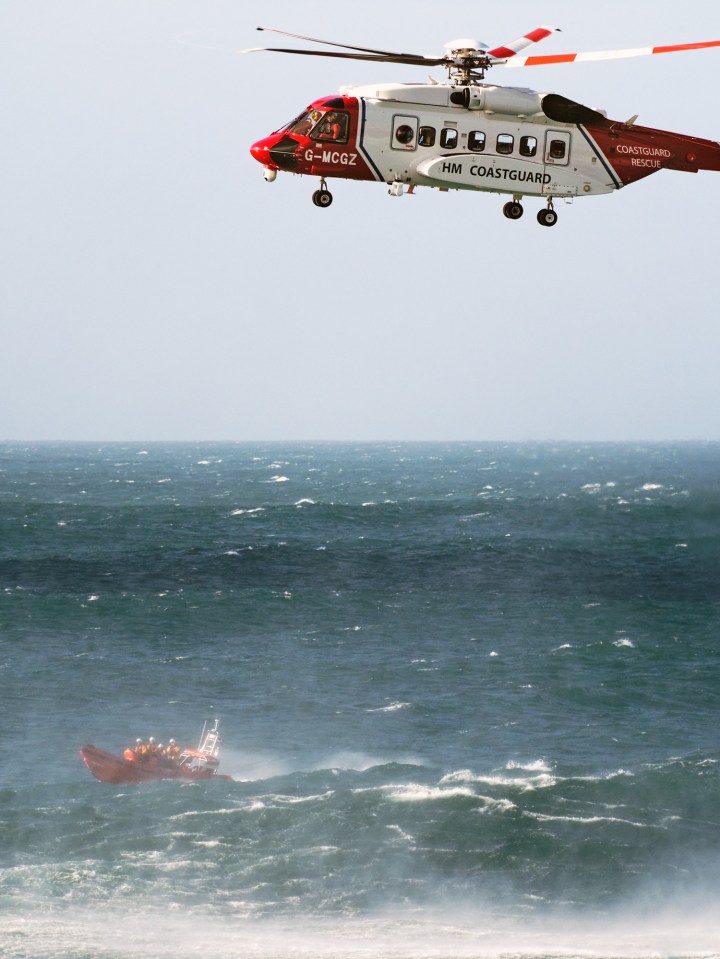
[[469, 695]]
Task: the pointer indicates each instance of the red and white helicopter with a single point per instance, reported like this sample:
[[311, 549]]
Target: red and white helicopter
[[469, 135]]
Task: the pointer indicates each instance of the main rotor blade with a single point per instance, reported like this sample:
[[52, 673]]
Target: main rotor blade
[[407, 58], [333, 43], [511, 49], [539, 61]]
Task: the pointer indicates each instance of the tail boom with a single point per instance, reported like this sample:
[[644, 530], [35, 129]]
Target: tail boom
[[635, 152]]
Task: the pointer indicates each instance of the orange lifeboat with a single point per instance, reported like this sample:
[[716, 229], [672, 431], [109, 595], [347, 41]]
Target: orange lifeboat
[[200, 763]]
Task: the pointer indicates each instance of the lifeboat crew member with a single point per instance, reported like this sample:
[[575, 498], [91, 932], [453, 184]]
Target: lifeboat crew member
[[173, 751], [153, 750], [141, 751]]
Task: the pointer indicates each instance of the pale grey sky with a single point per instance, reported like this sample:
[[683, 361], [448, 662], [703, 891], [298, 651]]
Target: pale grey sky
[[155, 287]]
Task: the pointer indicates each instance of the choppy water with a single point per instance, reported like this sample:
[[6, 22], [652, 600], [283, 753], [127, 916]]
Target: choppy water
[[470, 695]]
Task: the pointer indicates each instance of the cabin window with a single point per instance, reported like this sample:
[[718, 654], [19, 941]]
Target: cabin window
[[476, 141], [404, 134], [426, 136], [528, 146], [505, 143], [556, 150], [334, 127], [449, 138]]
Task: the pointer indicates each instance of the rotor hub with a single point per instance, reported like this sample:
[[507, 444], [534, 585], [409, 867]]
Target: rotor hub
[[465, 66]]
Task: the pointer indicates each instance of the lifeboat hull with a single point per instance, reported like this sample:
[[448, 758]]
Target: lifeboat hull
[[109, 768]]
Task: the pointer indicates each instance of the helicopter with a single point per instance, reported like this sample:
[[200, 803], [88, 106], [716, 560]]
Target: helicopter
[[466, 134]]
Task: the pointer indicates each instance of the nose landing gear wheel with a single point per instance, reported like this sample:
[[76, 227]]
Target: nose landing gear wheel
[[547, 217], [513, 210], [322, 198]]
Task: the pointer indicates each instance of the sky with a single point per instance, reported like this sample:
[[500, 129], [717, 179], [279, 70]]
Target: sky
[[155, 287]]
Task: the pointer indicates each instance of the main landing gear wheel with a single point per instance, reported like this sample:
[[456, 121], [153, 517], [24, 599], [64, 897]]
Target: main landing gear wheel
[[547, 217], [513, 210], [322, 198]]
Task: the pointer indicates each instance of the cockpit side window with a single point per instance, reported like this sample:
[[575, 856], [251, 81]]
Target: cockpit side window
[[304, 123], [290, 123], [334, 127]]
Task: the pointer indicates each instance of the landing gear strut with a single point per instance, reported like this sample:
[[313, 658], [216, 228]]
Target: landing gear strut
[[513, 210], [322, 197], [547, 217]]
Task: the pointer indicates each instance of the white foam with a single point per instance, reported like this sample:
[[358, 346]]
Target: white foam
[[254, 766], [541, 781], [405, 836], [414, 792], [281, 799], [392, 708], [346, 759], [203, 813], [536, 765], [586, 820], [476, 932]]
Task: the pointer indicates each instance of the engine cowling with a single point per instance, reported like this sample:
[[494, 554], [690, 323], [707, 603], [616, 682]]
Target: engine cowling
[[511, 101]]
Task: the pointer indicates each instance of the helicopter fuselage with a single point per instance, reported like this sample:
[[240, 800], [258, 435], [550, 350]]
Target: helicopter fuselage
[[506, 140]]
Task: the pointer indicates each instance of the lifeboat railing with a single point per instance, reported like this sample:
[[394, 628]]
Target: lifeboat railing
[[210, 740], [206, 755]]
